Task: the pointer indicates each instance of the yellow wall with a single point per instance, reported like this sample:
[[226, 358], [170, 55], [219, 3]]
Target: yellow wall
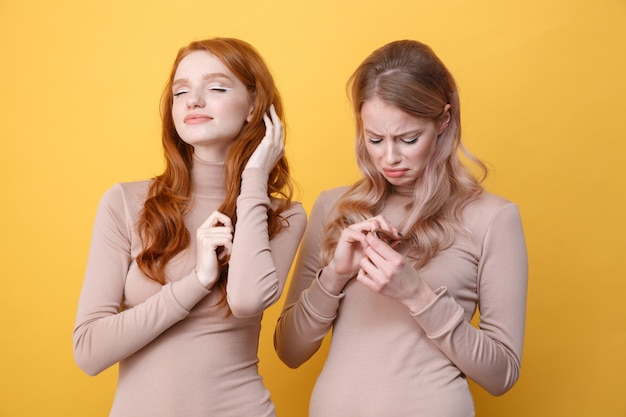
[[542, 87]]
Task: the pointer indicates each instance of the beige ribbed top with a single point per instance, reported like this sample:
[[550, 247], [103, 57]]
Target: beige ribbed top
[[179, 352], [386, 361]]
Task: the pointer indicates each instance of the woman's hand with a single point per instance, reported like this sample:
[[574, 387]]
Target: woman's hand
[[385, 271], [350, 250], [214, 243], [272, 146]]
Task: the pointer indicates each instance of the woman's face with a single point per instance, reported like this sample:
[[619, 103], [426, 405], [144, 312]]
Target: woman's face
[[399, 144], [210, 105]]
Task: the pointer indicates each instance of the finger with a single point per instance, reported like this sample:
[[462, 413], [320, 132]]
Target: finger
[[380, 236], [269, 127], [215, 233], [367, 226], [216, 218], [387, 237], [225, 252], [374, 256], [352, 236], [364, 278], [223, 219], [220, 237], [214, 242], [385, 225], [380, 247], [278, 124], [368, 267]]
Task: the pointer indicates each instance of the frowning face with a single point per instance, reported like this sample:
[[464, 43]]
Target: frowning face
[[399, 144]]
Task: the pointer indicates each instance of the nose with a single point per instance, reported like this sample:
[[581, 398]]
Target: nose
[[195, 99], [392, 154]]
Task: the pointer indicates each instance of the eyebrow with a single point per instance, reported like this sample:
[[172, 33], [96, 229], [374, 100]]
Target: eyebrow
[[205, 77], [415, 132]]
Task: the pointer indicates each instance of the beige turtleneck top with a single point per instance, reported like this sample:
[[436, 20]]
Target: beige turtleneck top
[[385, 360], [179, 351]]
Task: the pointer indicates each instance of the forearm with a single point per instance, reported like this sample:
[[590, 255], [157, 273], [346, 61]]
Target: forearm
[[479, 354], [259, 267], [104, 336], [310, 309], [304, 323], [490, 354]]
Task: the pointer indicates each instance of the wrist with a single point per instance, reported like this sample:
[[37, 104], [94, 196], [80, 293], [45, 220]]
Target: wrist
[[331, 281], [203, 280], [419, 299]]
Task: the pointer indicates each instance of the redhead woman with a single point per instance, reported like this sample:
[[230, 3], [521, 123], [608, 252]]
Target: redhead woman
[[182, 266], [398, 263]]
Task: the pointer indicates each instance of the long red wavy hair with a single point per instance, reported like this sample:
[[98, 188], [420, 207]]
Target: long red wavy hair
[[161, 224]]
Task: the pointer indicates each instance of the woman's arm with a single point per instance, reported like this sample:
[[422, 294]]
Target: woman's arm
[[309, 310], [490, 355], [103, 335], [258, 267]]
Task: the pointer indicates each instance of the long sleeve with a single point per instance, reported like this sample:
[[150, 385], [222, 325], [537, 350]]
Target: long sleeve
[[104, 335], [490, 355], [259, 266], [309, 311], [416, 362], [180, 349]]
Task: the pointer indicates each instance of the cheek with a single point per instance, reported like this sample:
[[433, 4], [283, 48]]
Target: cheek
[[427, 149], [373, 152], [176, 111], [237, 105], [178, 115], [177, 121]]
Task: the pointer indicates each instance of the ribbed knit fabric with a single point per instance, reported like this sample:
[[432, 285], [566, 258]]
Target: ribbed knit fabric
[[179, 351], [385, 360]]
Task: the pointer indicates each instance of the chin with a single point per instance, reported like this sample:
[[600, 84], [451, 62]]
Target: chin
[[401, 182]]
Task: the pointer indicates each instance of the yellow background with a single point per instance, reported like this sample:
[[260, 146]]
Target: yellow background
[[542, 88]]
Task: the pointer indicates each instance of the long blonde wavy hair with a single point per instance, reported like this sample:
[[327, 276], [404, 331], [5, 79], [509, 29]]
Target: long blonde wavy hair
[[409, 76]]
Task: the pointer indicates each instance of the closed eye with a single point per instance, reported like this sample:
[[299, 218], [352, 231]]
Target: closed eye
[[178, 93], [409, 141], [219, 89], [374, 140]]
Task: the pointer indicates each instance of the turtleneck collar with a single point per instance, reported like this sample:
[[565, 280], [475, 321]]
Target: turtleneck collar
[[207, 178]]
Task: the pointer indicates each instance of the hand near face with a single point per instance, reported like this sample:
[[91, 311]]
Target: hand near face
[[272, 146], [214, 243], [385, 271], [350, 251]]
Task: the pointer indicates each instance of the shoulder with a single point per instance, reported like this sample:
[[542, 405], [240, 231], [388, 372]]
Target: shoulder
[[126, 195], [487, 208], [294, 211], [324, 205], [328, 198]]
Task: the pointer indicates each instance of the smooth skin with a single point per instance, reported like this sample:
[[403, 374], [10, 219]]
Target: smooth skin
[[400, 146], [217, 231], [210, 107]]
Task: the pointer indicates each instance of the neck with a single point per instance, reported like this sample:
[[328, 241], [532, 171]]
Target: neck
[[208, 178], [403, 190]]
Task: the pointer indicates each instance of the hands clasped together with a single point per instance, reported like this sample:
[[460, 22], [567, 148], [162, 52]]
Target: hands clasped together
[[367, 250], [215, 235]]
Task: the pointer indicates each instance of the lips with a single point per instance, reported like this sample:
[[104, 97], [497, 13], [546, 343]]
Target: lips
[[194, 119], [395, 173]]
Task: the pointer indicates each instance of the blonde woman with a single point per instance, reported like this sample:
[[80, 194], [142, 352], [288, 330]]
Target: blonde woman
[[398, 263]]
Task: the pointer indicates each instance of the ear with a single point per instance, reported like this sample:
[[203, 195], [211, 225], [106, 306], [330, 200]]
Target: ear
[[249, 117], [445, 118]]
